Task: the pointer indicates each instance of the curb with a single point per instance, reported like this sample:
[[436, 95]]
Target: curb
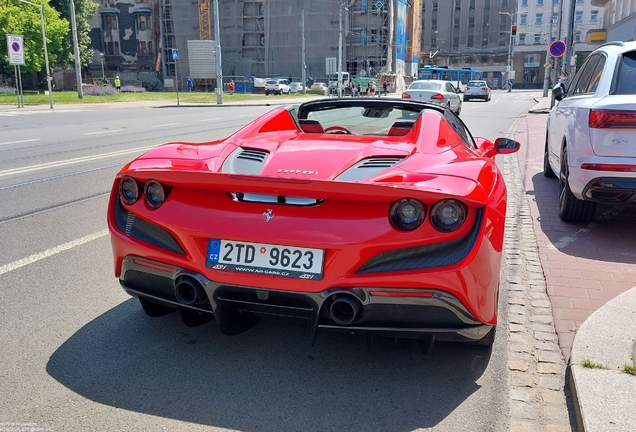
[[604, 396]]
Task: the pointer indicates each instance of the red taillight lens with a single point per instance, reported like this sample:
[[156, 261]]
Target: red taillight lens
[[600, 119], [467, 88], [406, 96], [484, 88], [609, 167], [437, 96]]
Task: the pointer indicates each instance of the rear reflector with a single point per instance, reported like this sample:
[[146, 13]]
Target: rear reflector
[[437, 96], [600, 119], [401, 294], [153, 266], [406, 96], [609, 167]]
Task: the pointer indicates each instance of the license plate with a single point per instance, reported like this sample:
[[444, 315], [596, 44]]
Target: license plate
[[265, 259]]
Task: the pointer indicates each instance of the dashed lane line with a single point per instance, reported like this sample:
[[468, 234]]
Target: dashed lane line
[[52, 251], [19, 142], [103, 132], [72, 161], [164, 125]]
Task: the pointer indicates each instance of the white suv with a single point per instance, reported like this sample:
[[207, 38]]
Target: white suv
[[591, 136], [277, 86]]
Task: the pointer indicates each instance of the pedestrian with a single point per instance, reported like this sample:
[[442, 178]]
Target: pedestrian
[[372, 88], [105, 82], [385, 87], [189, 84], [358, 90], [231, 87], [118, 83], [353, 89]]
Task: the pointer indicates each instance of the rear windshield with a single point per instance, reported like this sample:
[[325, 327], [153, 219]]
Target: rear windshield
[[626, 83], [272, 82], [425, 86], [476, 83]]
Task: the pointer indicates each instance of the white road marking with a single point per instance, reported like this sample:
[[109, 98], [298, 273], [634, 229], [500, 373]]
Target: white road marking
[[18, 142], [72, 161], [245, 115], [211, 119], [103, 132], [50, 252], [164, 125]]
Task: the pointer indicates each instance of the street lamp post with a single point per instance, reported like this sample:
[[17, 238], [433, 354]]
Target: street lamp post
[[101, 57], [340, 53], [509, 67], [46, 53]]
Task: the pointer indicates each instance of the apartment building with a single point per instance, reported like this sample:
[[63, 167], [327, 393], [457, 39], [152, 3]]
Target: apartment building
[[619, 21]]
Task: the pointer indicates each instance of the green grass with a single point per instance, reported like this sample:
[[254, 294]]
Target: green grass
[[590, 364], [67, 97], [629, 369]]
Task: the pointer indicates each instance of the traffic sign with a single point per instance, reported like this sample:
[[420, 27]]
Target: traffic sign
[[557, 48], [547, 65], [175, 54], [379, 5], [15, 50], [511, 83]]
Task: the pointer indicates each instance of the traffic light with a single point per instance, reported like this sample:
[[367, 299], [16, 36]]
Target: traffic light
[[514, 30]]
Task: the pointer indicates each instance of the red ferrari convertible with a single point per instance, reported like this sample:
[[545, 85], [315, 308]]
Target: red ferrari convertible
[[381, 216]]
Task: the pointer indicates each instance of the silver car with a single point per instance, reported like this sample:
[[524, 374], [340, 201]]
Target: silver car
[[438, 92], [477, 90]]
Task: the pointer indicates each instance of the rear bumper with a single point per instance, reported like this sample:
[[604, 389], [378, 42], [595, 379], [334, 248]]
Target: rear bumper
[[611, 190], [409, 313]]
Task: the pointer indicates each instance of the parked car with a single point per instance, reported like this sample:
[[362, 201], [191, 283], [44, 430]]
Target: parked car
[[406, 237], [476, 90], [296, 87], [277, 86], [320, 88], [439, 92], [591, 134]]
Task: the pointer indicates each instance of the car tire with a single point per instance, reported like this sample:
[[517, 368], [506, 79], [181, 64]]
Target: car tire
[[266, 93], [547, 169], [459, 109], [572, 209], [489, 97], [155, 310], [465, 99]]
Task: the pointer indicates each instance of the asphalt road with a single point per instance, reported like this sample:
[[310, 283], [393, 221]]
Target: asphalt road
[[79, 354]]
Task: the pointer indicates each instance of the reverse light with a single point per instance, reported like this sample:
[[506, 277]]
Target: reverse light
[[406, 96], [601, 119], [128, 190], [155, 194], [437, 96], [448, 215], [407, 214]]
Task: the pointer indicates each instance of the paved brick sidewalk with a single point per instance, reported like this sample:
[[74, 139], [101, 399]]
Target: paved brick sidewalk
[[585, 265]]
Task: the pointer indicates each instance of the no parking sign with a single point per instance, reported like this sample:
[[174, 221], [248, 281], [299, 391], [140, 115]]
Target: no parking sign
[[15, 50]]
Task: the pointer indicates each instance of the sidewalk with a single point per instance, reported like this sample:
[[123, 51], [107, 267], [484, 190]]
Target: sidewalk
[[593, 306]]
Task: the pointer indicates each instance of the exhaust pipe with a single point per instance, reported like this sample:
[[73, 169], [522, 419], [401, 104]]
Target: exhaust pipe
[[344, 309], [189, 291]]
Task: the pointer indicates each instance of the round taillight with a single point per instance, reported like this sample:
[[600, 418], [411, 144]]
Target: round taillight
[[155, 194], [128, 190], [448, 215], [407, 214]]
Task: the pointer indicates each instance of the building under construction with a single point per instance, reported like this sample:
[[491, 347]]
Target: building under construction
[[259, 38]]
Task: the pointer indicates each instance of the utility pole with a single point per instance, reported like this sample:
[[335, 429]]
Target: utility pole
[[546, 73], [569, 42], [303, 77], [78, 66], [219, 69], [340, 53]]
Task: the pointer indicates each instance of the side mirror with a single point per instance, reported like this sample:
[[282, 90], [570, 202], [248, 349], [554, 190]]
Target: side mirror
[[558, 92], [506, 145]]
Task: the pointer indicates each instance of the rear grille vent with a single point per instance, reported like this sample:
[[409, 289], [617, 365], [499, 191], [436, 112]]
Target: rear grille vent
[[253, 155], [368, 168], [379, 162]]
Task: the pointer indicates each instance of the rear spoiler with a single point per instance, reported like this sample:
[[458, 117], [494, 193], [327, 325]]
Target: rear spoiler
[[426, 188]]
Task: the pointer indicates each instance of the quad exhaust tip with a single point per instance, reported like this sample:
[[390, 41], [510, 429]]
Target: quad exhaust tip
[[344, 309], [189, 291]]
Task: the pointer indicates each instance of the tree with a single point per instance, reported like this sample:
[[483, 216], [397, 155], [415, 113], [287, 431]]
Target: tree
[[24, 19], [84, 11]]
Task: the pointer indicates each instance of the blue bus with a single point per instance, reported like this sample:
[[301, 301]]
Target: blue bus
[[462, 75]]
